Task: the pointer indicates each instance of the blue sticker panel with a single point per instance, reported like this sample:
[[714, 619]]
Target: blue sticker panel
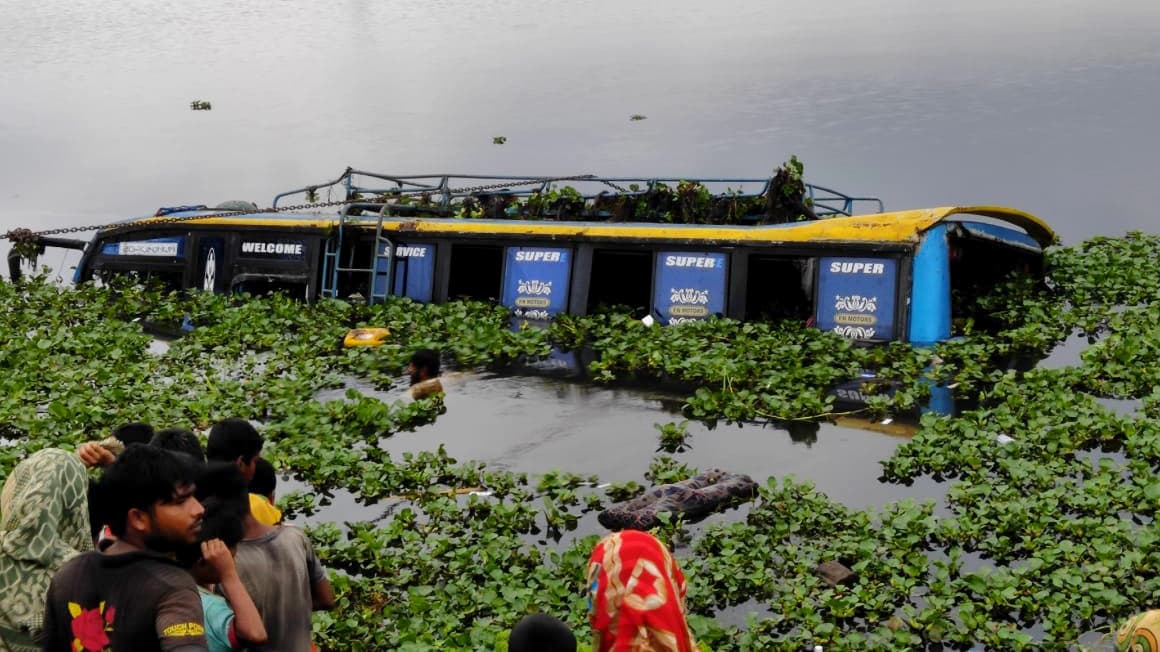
[[690, 285], [535, 282], [414, 273], [856, 297], [172, 247], [211, 265], [271, 248]]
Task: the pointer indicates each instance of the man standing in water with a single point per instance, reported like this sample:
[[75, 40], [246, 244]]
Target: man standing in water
[[134, 596], [424, 371]]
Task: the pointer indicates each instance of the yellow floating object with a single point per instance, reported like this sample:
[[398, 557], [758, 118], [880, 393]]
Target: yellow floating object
[[366, 337], [1140, 633]]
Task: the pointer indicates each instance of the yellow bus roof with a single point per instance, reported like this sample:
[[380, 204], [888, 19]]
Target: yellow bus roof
[[897, 227]]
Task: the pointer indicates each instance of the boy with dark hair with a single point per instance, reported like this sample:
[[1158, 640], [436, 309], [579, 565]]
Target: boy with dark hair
[[277, 564], [235, 441], [232, 622], [262, 493], [179, 440], [134, 596]]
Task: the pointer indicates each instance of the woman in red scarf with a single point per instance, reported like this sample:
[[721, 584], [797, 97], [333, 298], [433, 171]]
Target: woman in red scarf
[[637, 596]]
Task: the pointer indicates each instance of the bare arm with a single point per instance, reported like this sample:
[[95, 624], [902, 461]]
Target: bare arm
[[322, 594], [248, 623]]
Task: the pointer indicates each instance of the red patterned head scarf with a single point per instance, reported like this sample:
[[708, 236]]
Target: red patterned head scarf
[[637, 596]]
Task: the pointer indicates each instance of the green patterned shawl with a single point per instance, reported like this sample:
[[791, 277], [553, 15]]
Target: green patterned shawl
[[44, 522]]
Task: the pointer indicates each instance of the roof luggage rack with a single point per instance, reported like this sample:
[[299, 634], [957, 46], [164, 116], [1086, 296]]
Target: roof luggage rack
[[766, 200]]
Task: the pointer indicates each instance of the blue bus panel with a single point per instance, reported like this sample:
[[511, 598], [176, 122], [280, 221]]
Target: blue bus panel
[[856, 297], [414, 273], [536, 280], [690, 285]]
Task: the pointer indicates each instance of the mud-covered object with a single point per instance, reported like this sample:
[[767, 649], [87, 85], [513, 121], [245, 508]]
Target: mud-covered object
[[691, 499], [1141, 633]]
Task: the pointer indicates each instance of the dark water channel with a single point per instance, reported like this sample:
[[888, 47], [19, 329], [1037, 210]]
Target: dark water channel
[[535, 423]]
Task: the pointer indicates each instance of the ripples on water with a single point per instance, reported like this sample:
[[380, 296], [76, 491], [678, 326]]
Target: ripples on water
[[1045, 105]]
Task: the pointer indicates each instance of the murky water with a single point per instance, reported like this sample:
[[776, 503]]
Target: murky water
[[533, 424], [1046, 105]]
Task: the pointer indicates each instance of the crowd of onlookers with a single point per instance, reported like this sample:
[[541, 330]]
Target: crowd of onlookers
[[181, 549], [177, 547], [174, 548]]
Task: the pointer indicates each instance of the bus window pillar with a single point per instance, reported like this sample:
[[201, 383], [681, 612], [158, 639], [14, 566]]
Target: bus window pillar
[[930, 296]]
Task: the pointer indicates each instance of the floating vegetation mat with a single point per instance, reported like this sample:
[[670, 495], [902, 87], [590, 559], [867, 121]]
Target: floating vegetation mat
[[1048, 529]]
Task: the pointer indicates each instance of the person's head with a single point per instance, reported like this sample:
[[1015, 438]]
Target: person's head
[[636, 595], [147, 498], [179, 440], [541, 633], [134, 433], [236, 441], [222, 490], [265, 480], [424, 364]]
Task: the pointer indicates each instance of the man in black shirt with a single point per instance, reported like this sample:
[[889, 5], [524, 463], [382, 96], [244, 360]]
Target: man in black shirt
[[133, 597]]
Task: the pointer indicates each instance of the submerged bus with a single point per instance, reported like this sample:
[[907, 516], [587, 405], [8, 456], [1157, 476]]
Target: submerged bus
[[541, 248]]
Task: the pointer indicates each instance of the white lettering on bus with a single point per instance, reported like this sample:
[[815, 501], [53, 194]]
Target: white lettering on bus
[[280, 248], [691, 261], [537, 256], [411, 252], [877, 269]]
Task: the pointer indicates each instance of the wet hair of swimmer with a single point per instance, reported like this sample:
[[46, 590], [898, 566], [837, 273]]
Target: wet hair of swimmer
[[424, 364], [541, 633]]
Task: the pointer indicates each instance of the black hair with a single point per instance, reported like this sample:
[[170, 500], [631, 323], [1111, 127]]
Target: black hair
[[230, 439], [541, 633], [265, 480], [140, 478], [179, 440], [96, 518], [221, 482], [134, 433], [222, 491], [426, 359]]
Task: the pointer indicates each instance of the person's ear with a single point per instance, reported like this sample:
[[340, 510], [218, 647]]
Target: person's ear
[[247, 468], [139, 520]]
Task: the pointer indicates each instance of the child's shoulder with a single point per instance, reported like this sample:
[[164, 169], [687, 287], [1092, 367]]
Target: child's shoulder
[[291, 535]]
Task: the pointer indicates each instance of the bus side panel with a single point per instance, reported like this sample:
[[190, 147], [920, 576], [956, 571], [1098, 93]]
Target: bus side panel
[[536, 281], [414, 271], [930, 297], [690, 285], [856, 297]]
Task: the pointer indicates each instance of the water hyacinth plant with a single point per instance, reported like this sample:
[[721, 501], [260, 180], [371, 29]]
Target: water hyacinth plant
[[1047, 529]]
